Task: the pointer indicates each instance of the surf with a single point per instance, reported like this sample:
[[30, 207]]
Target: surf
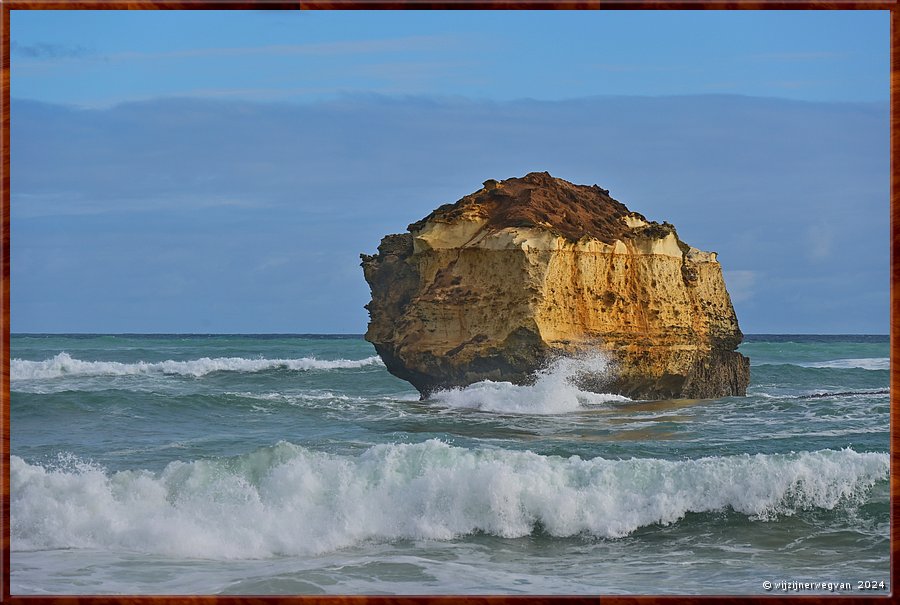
[[63, 364], [555, 390], [290, 500]]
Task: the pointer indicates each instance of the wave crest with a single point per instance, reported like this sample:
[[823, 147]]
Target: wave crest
[[863, 363], [65, 365], [290, 500], [866, 363]]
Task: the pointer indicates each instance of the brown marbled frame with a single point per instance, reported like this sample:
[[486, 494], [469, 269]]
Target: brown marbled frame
[[7, 5]]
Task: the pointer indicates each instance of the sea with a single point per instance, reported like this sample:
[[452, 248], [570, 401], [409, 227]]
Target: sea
[[296, 464]]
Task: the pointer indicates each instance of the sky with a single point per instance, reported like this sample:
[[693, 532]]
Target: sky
[[221, 171]]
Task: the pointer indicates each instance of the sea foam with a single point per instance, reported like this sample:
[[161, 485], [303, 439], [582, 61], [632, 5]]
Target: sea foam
[[65, 365], [288, 500], [866, 363], [554, 391]]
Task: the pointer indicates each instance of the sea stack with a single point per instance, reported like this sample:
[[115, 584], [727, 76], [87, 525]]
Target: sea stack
[[498, 284]]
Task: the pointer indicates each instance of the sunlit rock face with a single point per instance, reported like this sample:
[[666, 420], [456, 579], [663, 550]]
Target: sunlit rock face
[[496, 285]]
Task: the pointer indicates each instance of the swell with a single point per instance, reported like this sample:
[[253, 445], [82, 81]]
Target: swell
[[287, 499], [819, 394], [864, 363], [844, 394]]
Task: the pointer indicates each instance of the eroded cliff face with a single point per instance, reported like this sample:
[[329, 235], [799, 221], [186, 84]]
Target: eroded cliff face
[[497, 284]]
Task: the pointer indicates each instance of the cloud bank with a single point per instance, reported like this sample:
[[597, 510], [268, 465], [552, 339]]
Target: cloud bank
[[215, 215]]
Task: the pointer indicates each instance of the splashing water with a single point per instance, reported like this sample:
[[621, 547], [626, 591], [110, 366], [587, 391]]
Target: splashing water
[[554, 391], [288, 499]]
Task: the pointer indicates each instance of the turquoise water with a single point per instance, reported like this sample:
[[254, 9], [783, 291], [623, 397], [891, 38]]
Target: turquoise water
[[291, 464]]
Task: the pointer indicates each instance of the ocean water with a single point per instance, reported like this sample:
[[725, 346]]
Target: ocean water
[[296, 464]]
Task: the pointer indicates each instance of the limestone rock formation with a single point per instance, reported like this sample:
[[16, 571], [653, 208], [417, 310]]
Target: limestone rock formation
[[498, 284]]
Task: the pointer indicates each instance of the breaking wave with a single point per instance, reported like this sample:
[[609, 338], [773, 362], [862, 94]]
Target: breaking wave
[[65, 365], [286, 499], [868, 363], [864, 363], [554, 391]]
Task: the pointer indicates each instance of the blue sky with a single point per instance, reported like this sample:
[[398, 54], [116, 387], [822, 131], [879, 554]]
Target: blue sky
[[204, 171], [99, 58]]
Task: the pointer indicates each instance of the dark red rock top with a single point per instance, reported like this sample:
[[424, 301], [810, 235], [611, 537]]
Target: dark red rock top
[[538, 200]]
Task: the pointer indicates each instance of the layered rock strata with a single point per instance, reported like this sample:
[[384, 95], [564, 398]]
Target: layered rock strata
[[527, 269]]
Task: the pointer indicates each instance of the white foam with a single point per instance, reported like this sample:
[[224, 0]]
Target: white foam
[[286, 499], [867, 363], [65, 365], [554, 390]]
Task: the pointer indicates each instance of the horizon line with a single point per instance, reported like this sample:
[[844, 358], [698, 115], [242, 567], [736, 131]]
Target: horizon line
[[362, 334]]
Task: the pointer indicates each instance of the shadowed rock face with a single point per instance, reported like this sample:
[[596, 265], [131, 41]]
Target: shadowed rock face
[[507, 278]]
